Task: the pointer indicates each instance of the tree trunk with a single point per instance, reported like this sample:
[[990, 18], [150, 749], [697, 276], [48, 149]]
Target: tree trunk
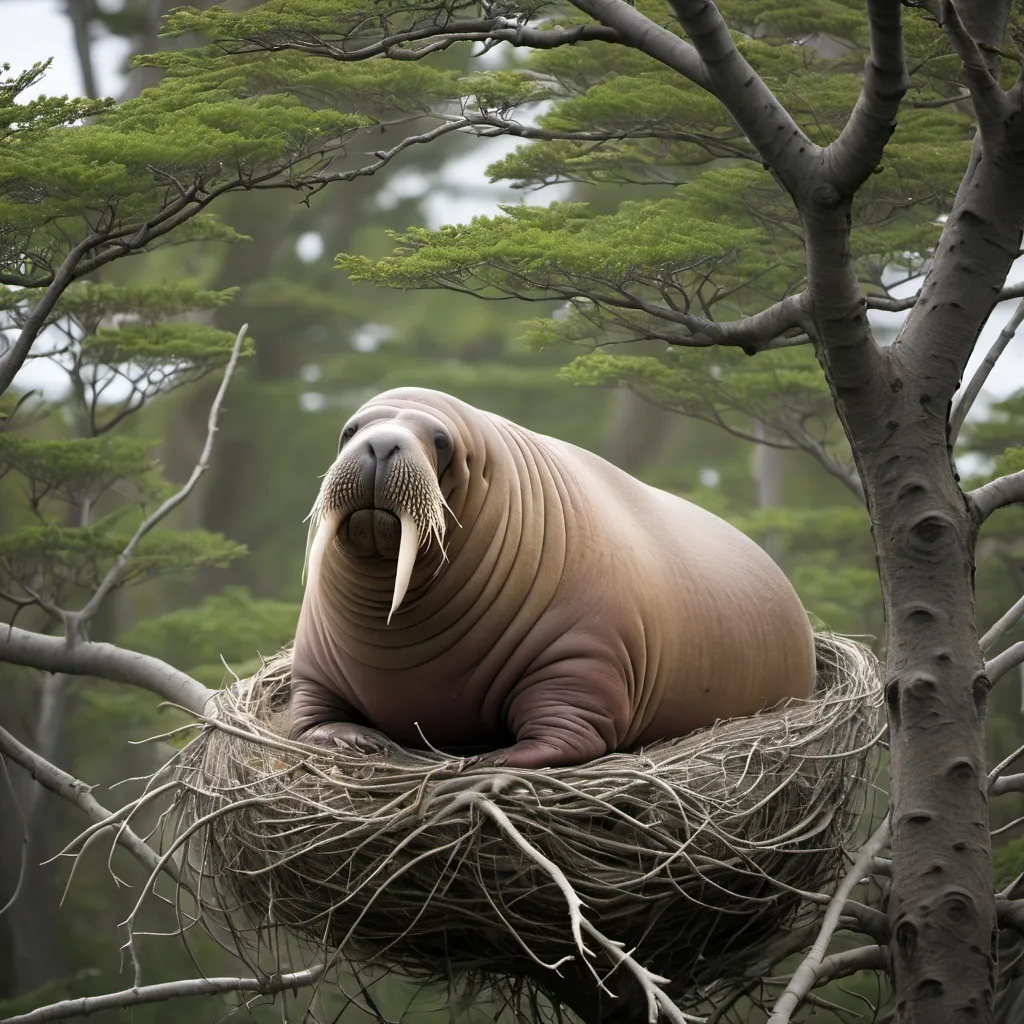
[[942, 913]]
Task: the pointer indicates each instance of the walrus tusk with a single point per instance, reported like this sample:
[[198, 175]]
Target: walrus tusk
[[314, 523], [407, 548]]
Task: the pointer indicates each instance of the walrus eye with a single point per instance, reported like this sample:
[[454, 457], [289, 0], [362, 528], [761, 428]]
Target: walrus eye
[[348, 433], [441, 441]]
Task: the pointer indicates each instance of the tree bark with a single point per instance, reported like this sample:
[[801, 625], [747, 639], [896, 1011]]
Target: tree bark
[[894, 405], [942, 914]]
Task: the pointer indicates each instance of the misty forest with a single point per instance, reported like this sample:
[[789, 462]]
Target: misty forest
[[763, 255]]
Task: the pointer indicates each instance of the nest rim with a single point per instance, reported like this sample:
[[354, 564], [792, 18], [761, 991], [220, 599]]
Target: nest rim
[[347, 853]]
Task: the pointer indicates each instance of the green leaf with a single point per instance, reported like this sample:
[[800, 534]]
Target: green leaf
[[80, 470], [232, 625]]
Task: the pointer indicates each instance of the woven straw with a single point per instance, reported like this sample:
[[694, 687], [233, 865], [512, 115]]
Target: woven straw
[[691, 853]]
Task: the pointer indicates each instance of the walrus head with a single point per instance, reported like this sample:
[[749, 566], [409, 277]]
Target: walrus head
[[382, 497]]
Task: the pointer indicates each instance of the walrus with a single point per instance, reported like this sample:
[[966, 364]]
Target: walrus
[[472, 584]]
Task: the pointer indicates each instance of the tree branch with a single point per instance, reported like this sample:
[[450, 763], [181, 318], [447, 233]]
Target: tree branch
[[86, 658], [806, 975], [385, 156], [753, 334], [758, 332], [715, 145], [973, 389], [1003, 624], [1002, 663], [1006, 784], [763, 119], [76, 620], [137, 236], [50, 777], [890, 305], [1006, 490], [852, 961], [466, 30], [855, 155], [15, 358], [636, 30], [989, 100], [168, 990]]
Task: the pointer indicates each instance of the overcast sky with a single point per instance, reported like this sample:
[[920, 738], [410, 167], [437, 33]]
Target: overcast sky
[[33, 30]]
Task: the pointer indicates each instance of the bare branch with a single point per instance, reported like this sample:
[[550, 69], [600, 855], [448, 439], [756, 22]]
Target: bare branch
[[54, 654], [989, 100], [977, 382], [638, 31], [890, 305], [852, 961], [713, 144], [444, 35], [997, 772], [1007, 784], [18, 352], [269, 985], [762, 330], [1007, 490], [649, 984], [385, 156], [855, 155], [1003, 625], [763, 119], [806, 975], [1002, 663], [757, 333], [76, 621], [50, 777]]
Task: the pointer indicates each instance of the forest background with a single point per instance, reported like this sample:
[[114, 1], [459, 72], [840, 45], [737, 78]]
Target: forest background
[[322, 345]]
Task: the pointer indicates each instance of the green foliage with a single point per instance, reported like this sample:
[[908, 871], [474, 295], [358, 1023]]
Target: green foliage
[[92, 300], [1008, 862], [641, 243], [79, 470], [87, 494], [232, 625], [1010, 461], [39, 115], [54, 560], [1002, 428], [169, 348], [126, 178]]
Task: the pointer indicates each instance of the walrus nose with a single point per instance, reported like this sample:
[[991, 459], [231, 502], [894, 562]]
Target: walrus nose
[[386, 443]]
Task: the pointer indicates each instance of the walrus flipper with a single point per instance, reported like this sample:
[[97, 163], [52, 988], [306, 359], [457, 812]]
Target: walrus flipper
[[561, 719], [322, 718]]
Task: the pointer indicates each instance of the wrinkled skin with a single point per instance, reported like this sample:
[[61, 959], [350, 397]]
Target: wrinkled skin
[[577, 610]]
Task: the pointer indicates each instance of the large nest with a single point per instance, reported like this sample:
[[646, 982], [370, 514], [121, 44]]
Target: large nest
[[693, 853]]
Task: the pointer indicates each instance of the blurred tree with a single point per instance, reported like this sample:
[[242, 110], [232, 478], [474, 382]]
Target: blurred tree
[[87, 494]]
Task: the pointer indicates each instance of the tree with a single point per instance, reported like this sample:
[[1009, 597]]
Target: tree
[[664, 270], [762, 133]]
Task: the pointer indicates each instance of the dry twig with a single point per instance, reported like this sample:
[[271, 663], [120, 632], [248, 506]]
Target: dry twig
[[680, 861]]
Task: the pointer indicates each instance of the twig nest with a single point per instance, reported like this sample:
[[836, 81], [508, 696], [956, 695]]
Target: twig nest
[[688, 852]]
